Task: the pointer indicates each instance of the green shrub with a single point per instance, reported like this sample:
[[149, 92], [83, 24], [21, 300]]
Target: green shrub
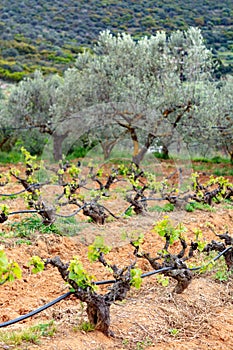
[[161, 155], [78, 152], [5, 74]]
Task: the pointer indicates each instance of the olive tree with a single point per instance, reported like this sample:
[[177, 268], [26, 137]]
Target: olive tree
[[145, 89], [215, 130], [47, 103], [224, 117], [7, 138], [155, 83], [31, 103], [197, 129]]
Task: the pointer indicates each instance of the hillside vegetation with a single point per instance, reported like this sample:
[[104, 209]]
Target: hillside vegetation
[[50, 33]]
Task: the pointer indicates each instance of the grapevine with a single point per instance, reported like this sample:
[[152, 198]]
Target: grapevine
[[175, 259]]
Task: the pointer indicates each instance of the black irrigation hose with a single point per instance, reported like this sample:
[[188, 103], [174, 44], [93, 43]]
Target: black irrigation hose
[[53, 302], [24, 190], [34, 312], [214, 259], [23, 212], [154, 272], [72, 214]]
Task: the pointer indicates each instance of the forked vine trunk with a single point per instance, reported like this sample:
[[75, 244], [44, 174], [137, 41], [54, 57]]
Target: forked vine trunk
[[98, 305]]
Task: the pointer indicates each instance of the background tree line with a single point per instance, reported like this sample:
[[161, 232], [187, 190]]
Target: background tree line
[[152, 91]]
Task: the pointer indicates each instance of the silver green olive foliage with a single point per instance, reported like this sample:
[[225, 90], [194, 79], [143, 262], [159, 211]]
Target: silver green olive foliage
[[30, 105], [147, 71], [152, 82], [215, 112], [223, 127], [32, 99], [161, 84], [158, 84]]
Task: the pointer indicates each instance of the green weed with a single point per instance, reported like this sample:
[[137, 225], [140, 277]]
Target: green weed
[[67, 226], [86, 326], [29, 226], [30, 335], [160, 155], [228, 204], [144, 343], [190, 207], [222, 171], [166, 208], [214, 160], [125, 341], [174, 331], [129, 212], [4, 198], [222, 275], [23, 241], [78, 152], [203, 167], [45, 329]]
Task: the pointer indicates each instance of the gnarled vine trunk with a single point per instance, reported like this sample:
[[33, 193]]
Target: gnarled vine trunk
[[98, 305]]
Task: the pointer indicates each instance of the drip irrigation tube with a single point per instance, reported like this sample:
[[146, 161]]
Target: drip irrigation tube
[[214, 259], [57, 300], [34, 312], [53, 302]]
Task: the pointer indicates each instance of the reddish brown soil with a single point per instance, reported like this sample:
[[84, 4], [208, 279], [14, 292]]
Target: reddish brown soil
[[202, 315]]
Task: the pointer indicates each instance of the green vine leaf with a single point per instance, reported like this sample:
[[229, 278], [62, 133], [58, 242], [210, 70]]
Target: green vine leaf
[[137, 242], [96, 248], [164, 281], [38, 264], [165, 228], [136, 279], [4, 209], [78, 274], [8, 270], [73, 171], [199, 239]]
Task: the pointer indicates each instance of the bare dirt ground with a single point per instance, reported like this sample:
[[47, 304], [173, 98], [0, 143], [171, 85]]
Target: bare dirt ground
[[152, 317]]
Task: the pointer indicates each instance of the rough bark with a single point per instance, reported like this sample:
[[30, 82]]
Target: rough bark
[[3, 217], [57, 145], [138, 202], [47, 212], [98, 305], [183, 278], [96, 213], [179, 271], [98, 312], [220, 247], [139, 155]]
